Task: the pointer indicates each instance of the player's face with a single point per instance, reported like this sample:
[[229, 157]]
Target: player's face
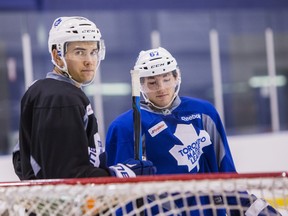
[[82, 60], [160, 89]]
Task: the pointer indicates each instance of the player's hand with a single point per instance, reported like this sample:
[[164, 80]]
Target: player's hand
[[133, 168]]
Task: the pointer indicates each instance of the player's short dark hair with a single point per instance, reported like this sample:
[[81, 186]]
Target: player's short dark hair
[[174, 73]]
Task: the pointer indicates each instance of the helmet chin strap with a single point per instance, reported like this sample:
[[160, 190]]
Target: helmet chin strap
[[66, 73], [163, 107], [158, 107], [94, 76], [177, 88]]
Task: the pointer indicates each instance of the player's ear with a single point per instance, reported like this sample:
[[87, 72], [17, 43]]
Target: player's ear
[[57, 58]]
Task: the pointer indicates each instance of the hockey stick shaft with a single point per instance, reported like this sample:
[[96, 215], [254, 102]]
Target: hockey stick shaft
[[135, 81]]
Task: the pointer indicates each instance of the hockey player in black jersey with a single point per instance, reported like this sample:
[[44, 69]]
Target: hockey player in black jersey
[[58, 134]]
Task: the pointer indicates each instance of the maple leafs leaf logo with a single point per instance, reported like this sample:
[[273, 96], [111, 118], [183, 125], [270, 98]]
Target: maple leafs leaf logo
[[189, 153]]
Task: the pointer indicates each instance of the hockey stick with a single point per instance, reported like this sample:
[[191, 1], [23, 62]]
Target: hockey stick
[[135, 84], [135, 81]]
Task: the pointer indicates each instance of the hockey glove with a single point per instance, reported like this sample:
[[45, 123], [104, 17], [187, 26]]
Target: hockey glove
[[133, 168], [261, 208]]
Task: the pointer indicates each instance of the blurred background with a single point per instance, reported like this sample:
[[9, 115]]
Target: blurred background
[[232, 53]]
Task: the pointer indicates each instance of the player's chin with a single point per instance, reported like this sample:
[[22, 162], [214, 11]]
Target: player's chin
[[161, 103], [87, 76]]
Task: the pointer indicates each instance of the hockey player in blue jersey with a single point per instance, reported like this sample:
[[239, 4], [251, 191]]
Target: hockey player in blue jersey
[[180, 134]]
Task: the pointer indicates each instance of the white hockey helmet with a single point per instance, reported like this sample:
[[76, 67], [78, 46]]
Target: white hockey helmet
[[69, 29], [155, 62]]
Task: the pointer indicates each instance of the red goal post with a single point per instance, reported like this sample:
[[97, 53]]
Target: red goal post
[[159, 195]]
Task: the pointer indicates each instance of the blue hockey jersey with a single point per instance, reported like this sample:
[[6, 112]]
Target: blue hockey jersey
[[187, 138]]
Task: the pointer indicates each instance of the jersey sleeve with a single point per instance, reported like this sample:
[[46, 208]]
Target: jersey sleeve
[[17, 161], [214, 126]]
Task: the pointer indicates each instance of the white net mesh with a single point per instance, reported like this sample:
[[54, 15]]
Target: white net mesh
[[159, 195]]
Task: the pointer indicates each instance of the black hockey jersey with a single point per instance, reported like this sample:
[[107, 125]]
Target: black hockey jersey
[[58, 134]]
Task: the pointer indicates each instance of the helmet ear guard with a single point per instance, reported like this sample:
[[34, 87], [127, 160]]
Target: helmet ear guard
[[102, 49]]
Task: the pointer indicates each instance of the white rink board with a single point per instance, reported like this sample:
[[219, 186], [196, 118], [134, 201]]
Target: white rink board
[[260, 153], [252, 154]]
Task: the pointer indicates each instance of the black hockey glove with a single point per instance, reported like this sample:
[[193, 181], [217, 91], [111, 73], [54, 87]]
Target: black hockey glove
[[133, 168], [17, 164]]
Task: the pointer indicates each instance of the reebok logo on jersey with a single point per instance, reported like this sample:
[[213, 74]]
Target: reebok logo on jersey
[[156, 129], [190, 152], [191, 117]]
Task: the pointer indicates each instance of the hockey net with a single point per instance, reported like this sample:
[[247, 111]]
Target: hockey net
[[201, 194]]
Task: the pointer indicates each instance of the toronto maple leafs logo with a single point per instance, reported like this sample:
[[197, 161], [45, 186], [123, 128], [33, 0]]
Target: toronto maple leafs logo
[[189, 153]]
